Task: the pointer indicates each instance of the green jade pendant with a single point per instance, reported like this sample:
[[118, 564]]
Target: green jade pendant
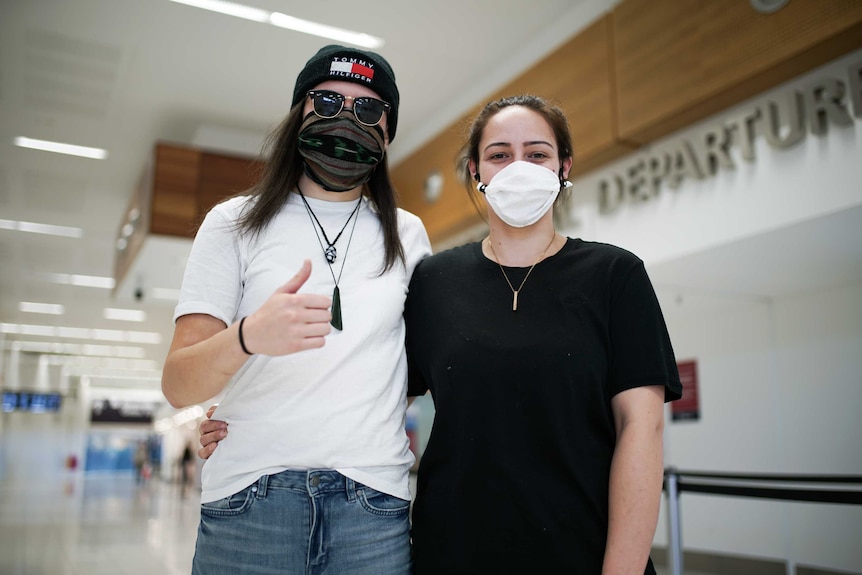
[[336, 309]]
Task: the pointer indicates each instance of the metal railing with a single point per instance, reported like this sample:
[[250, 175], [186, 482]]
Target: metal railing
[[762, 485]]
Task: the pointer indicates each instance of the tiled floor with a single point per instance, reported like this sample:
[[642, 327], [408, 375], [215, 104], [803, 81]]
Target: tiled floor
[[96, 526]]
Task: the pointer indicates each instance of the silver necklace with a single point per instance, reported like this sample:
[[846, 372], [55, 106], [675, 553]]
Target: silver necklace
[[336, 292]]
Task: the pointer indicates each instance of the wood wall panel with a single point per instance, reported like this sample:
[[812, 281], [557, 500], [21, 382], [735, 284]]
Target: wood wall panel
[[173, 201], [578, 77], [222, 177], [680, 61], [187, 183]]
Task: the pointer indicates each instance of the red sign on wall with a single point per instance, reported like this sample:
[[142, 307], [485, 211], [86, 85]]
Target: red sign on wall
[[687, 407]]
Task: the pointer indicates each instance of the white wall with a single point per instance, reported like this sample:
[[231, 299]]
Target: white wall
[[780, 391]]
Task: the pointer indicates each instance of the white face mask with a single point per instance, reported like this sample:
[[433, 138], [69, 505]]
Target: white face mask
[[522, 192]]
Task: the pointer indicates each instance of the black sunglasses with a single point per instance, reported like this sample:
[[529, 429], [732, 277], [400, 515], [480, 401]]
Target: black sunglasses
[[328, 104]]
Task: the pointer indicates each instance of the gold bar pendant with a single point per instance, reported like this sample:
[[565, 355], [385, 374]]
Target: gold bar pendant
[[514, 301]]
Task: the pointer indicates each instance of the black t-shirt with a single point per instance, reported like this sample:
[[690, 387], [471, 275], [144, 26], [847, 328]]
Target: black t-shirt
[[514, 478]]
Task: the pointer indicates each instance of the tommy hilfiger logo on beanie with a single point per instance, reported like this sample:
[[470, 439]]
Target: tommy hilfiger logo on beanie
[[342, 67], [345, 64]]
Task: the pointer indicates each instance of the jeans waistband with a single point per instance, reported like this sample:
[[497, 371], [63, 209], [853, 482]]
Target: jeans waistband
[[312, 481]]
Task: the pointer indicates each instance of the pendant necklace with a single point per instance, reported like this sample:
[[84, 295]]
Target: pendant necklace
[[329, 251], [336, 293], [515, 292]]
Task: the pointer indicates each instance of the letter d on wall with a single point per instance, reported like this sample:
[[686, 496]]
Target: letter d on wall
[[611, 193]]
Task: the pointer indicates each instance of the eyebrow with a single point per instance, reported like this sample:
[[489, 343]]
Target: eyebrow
[[509, 145]]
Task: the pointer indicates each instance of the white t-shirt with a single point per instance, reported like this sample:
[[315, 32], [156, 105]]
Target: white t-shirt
[[339, 407]]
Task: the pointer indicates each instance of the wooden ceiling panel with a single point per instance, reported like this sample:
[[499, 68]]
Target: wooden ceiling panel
[[677, 62]]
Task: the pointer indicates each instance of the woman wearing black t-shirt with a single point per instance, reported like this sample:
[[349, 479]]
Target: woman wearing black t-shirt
[[549, 362]]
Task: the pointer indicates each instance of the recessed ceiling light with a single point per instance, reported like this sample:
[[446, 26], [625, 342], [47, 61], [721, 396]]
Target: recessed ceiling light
[[61, 148], [35, 307], [286, 21], [48, 229]]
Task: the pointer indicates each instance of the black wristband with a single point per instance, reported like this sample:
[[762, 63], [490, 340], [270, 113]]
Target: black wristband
[[241, 340]]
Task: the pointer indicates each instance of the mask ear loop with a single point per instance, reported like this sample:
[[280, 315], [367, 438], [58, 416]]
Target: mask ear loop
[[481, 187], [564, 183]]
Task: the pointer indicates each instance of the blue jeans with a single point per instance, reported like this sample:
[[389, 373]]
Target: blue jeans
[[304, 522]]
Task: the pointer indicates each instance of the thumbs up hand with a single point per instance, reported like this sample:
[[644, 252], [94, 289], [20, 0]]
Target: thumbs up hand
[[289, 322]]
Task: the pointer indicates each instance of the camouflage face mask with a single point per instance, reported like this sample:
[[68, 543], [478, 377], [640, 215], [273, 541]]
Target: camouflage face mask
[[340, 153]]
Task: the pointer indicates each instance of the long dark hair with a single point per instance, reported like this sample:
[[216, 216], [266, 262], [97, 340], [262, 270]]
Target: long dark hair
[[553, 115], [280, 175]]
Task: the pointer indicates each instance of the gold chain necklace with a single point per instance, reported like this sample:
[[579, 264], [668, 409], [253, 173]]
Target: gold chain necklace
[[511, 287]]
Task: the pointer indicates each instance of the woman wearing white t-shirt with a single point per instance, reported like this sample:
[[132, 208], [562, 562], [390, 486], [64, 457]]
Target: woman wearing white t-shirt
[[291, 313]]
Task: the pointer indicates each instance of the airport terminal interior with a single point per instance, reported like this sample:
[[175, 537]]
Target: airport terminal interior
[[719, 141]]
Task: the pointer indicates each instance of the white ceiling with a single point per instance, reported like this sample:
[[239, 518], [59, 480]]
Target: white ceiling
[[123, 74]]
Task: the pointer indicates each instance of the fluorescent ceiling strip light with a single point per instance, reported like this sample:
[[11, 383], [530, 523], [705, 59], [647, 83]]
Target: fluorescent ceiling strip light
[[107, 390], [127, 336], [78, 333], [47, 229], [47, 308], [83, 281], [116, 363], [324, 31], [149, 337], [92, 281], [129, 351], [124, 314], [61, 148], [285, 21], [229, 8], [168, 294], [87, 349], [129, 381]]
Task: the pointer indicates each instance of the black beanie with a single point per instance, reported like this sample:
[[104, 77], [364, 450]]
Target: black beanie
[[350, 65]]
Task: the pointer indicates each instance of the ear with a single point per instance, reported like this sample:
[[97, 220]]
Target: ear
[[566, 167], [474, 170]]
